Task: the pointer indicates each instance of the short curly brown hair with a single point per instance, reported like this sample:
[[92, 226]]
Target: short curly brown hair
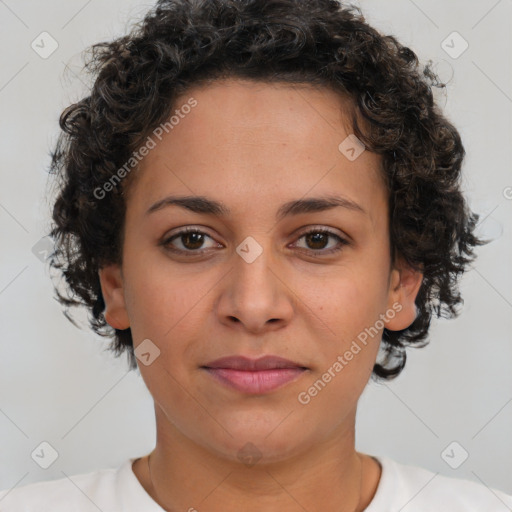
[[183, 43]]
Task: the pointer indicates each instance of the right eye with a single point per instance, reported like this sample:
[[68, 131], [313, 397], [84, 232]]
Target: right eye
[[191, 239]]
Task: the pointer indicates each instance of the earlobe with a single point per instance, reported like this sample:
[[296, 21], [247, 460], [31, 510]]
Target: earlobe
[[405, 283], [112, 288]]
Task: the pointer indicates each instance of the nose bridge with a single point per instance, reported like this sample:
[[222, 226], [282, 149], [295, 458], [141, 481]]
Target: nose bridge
[[253, 267], [255, 293]]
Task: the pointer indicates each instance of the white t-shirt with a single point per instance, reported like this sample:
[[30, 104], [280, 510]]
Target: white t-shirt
[[401, 488]]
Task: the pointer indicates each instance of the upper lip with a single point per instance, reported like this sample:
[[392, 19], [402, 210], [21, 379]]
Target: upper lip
[[248, 364]]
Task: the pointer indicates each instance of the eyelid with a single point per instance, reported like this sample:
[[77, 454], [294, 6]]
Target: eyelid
[[321, 227]]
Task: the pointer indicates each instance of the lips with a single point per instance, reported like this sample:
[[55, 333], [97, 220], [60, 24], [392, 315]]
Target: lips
[[254, 376], [247, 364]]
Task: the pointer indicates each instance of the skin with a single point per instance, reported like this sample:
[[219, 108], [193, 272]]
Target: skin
[[255, 146]]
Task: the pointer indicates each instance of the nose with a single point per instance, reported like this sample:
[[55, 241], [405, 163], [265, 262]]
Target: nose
[[255, 294]]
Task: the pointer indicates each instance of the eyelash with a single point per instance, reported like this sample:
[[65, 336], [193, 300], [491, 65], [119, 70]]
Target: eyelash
[[341, 241]]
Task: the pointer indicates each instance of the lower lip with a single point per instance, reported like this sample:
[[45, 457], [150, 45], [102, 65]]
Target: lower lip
[[256, 382]]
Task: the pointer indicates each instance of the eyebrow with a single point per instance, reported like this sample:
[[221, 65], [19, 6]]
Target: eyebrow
[[204, 205]]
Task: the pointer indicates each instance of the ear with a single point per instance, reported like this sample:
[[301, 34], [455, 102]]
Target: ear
[[111, 280], [404, 284]]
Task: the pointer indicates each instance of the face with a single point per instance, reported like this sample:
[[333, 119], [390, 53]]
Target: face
[[302, 284]]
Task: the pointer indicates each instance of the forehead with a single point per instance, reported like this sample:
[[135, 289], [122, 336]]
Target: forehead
[[263, 142]]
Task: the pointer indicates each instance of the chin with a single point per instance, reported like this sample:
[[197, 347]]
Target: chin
[[258, 447]]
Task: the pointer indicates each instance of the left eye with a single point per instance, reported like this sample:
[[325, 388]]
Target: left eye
[[192, 239], [319, 237]]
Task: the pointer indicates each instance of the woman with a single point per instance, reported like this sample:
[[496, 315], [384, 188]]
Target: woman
[[259, 201]]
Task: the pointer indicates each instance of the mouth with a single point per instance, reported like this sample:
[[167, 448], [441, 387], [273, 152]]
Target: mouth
[[254, 376]]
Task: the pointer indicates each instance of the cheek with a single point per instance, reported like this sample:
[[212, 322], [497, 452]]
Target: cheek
[[158, 296], [346, 342], [171, 310], [347, 298], [345, 322]]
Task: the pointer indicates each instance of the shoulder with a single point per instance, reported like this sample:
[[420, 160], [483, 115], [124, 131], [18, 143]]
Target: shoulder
[[411, 488], [85, 492]]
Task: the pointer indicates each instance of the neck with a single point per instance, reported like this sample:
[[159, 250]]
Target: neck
[[183, 475]]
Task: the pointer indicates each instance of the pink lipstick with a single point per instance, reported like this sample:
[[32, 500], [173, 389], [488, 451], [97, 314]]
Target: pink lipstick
[[254, 376]]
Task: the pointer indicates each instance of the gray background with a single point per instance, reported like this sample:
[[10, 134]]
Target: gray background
[[57, 384]]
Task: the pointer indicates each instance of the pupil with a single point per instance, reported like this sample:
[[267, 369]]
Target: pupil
[[195, 244], [316, 238]]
